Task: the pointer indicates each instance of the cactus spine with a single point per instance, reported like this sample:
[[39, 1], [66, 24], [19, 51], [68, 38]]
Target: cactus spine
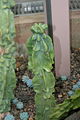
[[7, 59], [41, 54]]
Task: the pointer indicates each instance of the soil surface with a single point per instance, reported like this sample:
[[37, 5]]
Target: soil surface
[[22, 92], [26, 94], [63, 87]]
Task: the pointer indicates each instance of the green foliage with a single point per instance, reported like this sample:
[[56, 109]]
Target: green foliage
[[61, 110], [6, 4], [41, 55], [7, 60]]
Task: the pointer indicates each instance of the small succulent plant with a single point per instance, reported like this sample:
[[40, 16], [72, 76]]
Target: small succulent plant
[[63, 78], [19, 105], [15, 101], [78, 83], [9, 117], [70, 93], [75, 87], [24, 116], [27, 81]]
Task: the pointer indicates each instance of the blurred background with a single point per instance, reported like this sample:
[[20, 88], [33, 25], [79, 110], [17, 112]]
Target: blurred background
[[28, 12]]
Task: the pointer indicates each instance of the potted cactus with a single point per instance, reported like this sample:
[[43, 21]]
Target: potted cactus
[[41, 55], [7, 59]]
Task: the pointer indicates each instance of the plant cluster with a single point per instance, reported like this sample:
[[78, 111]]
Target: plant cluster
[[19, 104], [23, 116], [7, 59], [74, 88], [41, 55]]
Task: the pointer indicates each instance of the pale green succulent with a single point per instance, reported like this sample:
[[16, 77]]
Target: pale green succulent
[[7, 59], [41, 55]]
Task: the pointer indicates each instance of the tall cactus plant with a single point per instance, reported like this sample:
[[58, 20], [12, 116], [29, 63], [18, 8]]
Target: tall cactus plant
[[41, 54], [7, 50]]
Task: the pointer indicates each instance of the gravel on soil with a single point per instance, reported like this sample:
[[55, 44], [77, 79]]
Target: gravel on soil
[[26, 94]]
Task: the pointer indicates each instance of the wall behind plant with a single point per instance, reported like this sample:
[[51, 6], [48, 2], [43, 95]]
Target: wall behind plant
[[75, 28], [23, 24]]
